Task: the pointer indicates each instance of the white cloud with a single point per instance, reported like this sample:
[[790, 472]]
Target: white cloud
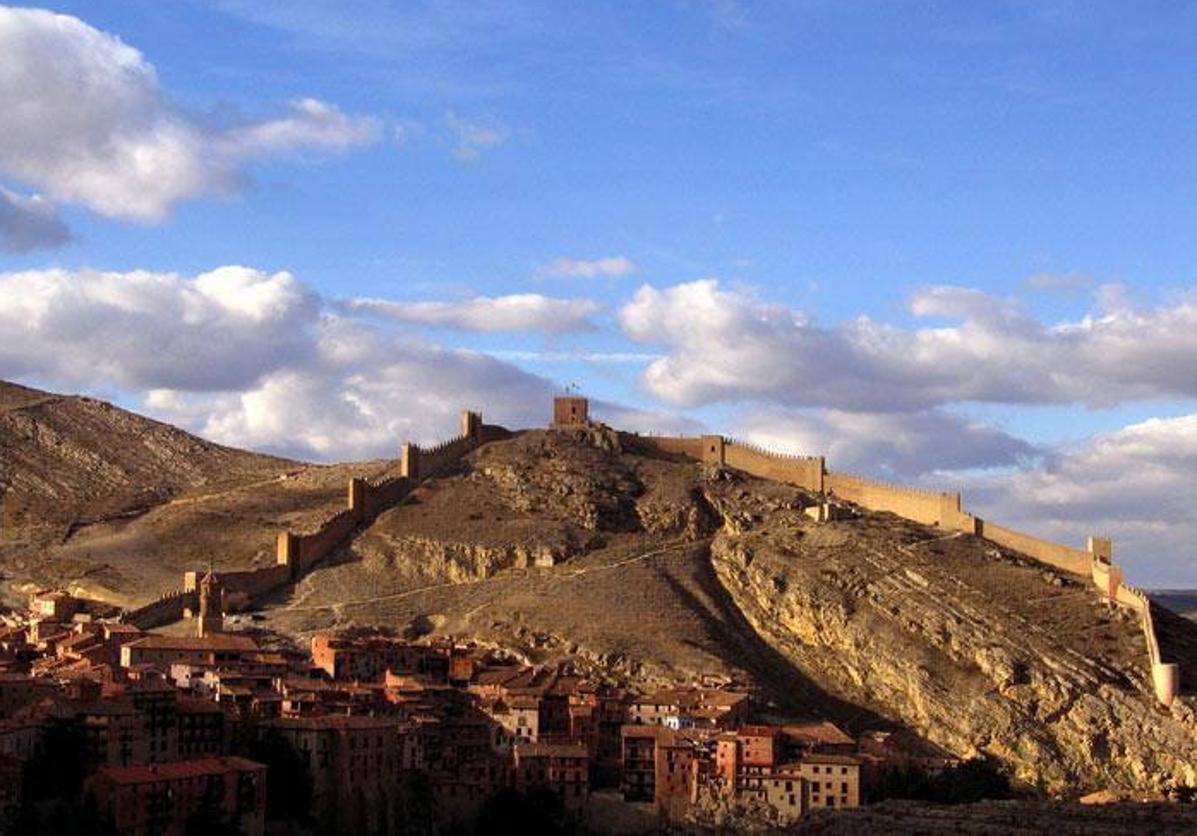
[[252, 359], [1135, 484], [361, 397], [724, 346], [312, 126], [570, 268], [86, 122], [898, 446], [517, 312], [139, 330], [29, 223]]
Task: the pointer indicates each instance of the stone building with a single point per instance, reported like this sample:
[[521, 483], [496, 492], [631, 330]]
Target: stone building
[[354, 763], [166, 798], [563, 768], [571, 411]]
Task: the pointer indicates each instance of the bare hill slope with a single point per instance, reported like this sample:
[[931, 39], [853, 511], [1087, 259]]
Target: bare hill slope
[[585, 547], [569, 546], [97, 497]]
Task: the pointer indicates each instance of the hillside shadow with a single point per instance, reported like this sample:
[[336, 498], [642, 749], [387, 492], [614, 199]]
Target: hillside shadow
[[1178, 643], [738, 644]]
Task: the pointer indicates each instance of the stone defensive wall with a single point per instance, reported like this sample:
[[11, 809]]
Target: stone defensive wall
[[296, 553], [1058, 556], [934, 508], [925, 506], [801, 471], [166, 610]]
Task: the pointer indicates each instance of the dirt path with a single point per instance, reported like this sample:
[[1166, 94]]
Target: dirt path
[[299, 605], [195, 500]]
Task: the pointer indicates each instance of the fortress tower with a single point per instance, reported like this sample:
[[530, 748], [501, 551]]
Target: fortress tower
[[570, 411], [211, 605], [471, 424]]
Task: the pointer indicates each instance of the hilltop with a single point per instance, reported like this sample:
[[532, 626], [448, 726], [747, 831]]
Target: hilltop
[[638, 564], [646, 566], [119, 505]]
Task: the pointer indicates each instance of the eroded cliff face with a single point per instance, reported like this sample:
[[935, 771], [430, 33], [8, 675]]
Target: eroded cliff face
[[977, 649]]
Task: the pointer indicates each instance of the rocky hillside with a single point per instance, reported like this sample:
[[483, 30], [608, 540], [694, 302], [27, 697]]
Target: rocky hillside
[[634, 567], [71, 460], [576, 545], [120, 505]]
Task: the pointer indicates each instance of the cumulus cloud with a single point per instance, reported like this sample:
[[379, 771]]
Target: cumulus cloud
[[570, 268], [250, 358], [1135, 484], [517, 312], [86, 122], [722, 345], [29, 223], [361, 397], [892, 445], [137, 330]]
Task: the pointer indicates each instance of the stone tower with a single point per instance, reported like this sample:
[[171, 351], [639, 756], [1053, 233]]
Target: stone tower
[[570, 411], [211, 605]]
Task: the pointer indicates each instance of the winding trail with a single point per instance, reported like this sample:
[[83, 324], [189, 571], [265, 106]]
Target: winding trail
[[300, 605]]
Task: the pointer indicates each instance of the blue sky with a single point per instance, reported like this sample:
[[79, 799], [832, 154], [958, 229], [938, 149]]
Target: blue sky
[[1004, 191]]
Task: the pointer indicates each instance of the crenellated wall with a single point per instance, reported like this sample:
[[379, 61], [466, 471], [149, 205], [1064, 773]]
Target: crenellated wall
[[924, 506], [802, 471], [254, 582], [384, 494], [166, 610], [937, 508], [1064, 558], [297, 552], [677, 446], [416, 462]]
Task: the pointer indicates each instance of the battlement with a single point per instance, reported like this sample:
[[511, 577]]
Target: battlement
[[297, 553], [928, 506]]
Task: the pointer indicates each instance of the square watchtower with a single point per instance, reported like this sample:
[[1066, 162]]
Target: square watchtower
[[571, 411]]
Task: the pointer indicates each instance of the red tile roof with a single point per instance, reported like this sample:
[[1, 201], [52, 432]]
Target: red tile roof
[[219, 641]]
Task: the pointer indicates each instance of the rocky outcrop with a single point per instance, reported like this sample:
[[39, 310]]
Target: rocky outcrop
[[891, 627], [457, 562], [571, 475]]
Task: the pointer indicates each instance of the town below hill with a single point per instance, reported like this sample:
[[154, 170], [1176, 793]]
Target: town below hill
[[609, 631]]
